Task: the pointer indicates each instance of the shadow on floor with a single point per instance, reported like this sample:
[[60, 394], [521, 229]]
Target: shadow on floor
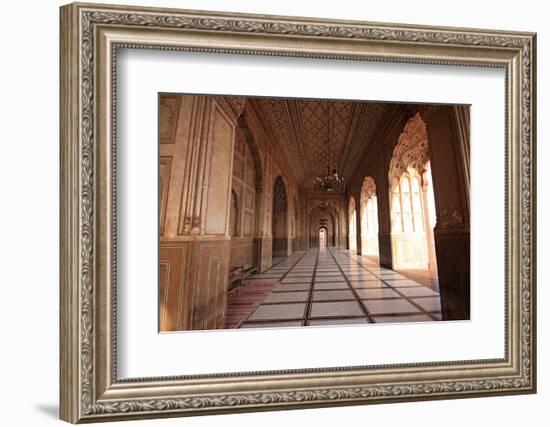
[[50, 410]]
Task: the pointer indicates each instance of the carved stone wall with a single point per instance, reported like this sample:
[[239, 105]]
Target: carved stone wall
[[280, 219], [210, 148], [244, 188], [273, 164], [195, 202], [411, 150]]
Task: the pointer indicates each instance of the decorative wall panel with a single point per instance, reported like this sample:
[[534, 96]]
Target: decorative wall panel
[[168, 116], [165, 168], [218, 184]]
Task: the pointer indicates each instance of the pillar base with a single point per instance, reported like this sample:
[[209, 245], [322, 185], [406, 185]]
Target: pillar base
[[453, 268]]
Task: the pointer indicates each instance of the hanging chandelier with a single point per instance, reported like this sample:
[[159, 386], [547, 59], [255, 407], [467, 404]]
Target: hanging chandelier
[[331, 182]]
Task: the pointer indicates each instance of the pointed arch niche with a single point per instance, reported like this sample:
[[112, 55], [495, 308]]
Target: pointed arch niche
[[369, 218], [246, 196], [323, 237], [279, 219], [412, 203], [323, 216], [352, 225]]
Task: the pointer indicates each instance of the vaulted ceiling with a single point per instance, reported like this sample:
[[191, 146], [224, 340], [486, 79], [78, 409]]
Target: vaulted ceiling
[[314, 134]]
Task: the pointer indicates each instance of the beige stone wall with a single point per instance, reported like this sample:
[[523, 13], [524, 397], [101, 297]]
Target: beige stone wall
[[209, 147], [244, 187], [196, 142]]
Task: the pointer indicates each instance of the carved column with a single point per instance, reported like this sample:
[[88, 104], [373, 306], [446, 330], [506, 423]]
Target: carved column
[[432, 259], [195, 147], [259, 234], [384, 221], [358, 225], [342, 224], [452, 231]]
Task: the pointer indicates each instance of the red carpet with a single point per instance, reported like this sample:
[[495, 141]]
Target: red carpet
[[240, 306]]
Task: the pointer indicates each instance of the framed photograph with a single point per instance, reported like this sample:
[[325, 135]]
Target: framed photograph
[[267, 212]]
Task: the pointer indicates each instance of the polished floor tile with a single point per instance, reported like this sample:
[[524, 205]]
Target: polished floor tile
[[287, 297], [321, 295], [278, 311], [291, 287], [346, 321], [271, 324], [390, 306], [374, 284], [332, 309], [330, 285], [361, 278], [429, 304], [401, 283], [376, 293], [325, 279], [335, 284], [419, 291], [293, 274], [403, 319], [296, 280]]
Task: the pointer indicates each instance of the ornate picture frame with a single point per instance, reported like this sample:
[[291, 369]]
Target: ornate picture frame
[[90, 37]]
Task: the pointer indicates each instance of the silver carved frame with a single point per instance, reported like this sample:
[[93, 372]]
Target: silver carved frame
[[90, 36]]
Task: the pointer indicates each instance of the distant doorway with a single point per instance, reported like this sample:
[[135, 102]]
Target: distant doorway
[[322, 238], [369, 218]]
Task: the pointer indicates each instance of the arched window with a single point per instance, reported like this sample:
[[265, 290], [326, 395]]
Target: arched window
[[411, 199], [369, 218], [406, 204], [352, 225]]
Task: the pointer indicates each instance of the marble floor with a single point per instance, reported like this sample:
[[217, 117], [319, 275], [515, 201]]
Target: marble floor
[[328, 286]]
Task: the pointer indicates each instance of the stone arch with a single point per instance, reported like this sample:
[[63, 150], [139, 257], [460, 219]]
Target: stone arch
[[411, 199], [319, 212], [279, 218], [253, 147], [259, 218], [369, 217], [323, 237]]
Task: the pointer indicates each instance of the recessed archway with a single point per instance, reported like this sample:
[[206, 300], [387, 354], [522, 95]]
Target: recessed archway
[[323, 238], [412, 204], [369, 218], [279, 219], [323, 216]]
